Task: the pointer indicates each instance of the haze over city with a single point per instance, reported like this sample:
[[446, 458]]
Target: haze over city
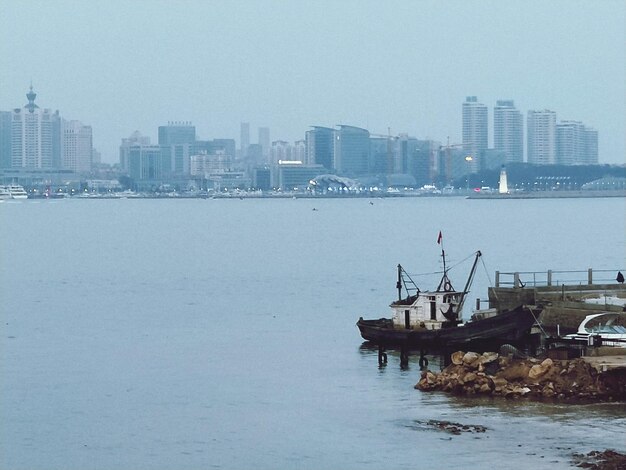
[[407, 66]]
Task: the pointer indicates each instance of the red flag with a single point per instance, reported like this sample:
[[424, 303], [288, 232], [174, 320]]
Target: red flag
[[439, 238]]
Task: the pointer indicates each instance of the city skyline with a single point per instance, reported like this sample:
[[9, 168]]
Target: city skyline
[[406, 68]]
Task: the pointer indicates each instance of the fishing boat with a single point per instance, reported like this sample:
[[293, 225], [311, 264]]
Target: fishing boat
[[427, 319]]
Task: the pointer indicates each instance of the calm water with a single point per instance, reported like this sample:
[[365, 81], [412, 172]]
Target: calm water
[[195, 334]]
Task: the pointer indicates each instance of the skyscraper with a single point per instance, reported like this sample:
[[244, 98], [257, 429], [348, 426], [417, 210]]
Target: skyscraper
[[352, 149], [245, 139], [35, 136], [319, 147], [508, 131], [475, 130], [5, 139], [541, 135], [77, 147], [176, 140], [576, 144], [264, 141]]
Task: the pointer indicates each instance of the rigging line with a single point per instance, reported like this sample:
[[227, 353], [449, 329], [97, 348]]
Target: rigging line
[[451, 267], [495, 293], [537, 320]]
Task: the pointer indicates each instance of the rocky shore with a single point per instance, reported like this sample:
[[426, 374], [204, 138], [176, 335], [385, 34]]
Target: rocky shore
[[497, 375]]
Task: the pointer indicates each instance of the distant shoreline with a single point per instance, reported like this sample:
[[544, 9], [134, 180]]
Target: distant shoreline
[[552, 194]]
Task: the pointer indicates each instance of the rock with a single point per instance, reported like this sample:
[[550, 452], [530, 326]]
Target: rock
[[470, 358], [548, 390], [487, 357], [457, 358], [485, 388], [538, 370]]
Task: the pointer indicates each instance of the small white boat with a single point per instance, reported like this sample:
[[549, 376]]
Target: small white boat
[[17, 192], [605, 325], [4, 193]]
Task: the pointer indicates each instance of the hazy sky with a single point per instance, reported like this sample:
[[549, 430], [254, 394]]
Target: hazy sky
[[122, 65]]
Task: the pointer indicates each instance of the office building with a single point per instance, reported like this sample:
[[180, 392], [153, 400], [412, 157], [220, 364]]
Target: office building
[[244, 141], [351, 151], [177, 132], [475, 130], [320, 147], [541, 137], [77, 147], [5, 139], [508, 131], [264, 141], [139, 159]]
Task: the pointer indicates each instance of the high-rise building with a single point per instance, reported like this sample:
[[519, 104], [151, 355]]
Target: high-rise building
[[77, 147], [508, 131], [139, 159], [264, 141], [245, 139], [576, 144], [5, 139], [320, 147], [591, 146], [177, 132], [176, 141], [475, 130], [541, 135], [280, 151], [35, 136], [351, 149]]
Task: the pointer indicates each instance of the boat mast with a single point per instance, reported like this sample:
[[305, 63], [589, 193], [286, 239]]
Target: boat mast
[[399, 283], [468, 284]]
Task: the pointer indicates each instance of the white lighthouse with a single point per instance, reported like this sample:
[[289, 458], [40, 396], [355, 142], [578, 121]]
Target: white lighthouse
[[503, 188]]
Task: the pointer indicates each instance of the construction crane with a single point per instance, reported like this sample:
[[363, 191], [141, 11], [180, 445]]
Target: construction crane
[[448, 157]]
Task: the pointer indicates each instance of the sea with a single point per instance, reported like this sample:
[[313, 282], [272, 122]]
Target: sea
[[220, 333]]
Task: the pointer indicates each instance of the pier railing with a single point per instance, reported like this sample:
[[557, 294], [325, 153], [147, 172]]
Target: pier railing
[[556, 278]]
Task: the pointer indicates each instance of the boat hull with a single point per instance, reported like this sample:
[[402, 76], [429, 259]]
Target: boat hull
[[507, 327]]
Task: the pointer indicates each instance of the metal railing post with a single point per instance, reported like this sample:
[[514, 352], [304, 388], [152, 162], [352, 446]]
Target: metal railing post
[[590, 276], [497, 278], [549, 277]]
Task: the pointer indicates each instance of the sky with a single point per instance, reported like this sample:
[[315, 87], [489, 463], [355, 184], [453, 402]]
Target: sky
[[398, 66]]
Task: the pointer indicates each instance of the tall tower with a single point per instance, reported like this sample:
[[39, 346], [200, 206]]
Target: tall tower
[[508, 131], [541, 134], [35, 136], [320, 148], [475, 130]]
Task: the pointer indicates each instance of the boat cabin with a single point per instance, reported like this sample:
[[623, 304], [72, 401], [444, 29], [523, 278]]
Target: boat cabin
[[430, 310]]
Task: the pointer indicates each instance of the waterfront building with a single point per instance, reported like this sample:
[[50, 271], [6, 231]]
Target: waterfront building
[[292, 175], [475, 130], [351, 151], [244, 139], [576, 144], [177, 132], [264, 141], [541, 135], [298, 151], [177, 141], [382, 155], [77, 147], [591, 147], [280, 150], [5, 139], [141, 160], [508, 131], [320, 147], [35, 136]]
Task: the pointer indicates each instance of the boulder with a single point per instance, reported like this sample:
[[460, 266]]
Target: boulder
[[470, 359], [457, 358]]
